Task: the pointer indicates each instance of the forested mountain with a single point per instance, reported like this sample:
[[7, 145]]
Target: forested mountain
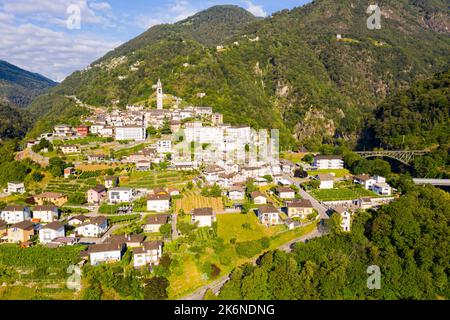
[[407, 240], [415, 118], [19, 87], [14, 123], [287, 71]]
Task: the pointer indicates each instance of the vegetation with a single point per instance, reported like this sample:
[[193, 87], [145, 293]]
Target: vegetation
[[406, 239]]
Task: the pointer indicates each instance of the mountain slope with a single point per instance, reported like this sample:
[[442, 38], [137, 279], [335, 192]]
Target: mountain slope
[[19, 86], [14, 123], [415, 118], [288, 71]]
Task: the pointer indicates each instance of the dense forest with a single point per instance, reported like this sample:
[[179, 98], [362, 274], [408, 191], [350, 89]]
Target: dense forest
[[407, 239], [415, 118], [14, 123]]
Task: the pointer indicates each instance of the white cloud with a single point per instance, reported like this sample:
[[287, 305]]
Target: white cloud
[[101, 6], [256, 10], [51, 53]]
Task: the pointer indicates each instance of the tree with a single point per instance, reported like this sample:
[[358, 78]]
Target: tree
[[166, 230], [156, 288], [308, 158]]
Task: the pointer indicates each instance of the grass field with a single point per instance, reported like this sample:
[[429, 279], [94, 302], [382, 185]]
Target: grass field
[[151, 179], [341, 194], [339, 173], [192, 199], [243, 227]]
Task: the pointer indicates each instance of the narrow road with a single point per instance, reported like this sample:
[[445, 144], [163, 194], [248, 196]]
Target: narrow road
[[216, 285], [174, 227], [321, 209]]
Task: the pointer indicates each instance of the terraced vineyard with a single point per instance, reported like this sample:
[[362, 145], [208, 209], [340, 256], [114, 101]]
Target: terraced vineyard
[[71, 187], [174, 179], [192, 199], [342, 194]]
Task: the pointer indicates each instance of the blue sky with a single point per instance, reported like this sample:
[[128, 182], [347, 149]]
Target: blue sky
[[34, 33]]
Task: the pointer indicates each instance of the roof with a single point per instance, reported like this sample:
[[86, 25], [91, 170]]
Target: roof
[[99, 188], [267, 208], [24, 225], [103, 247], [341, 209], [2, 223], [325, 177], [45, 208], [284, 189], [236, 188], [301, 203], [55, 225], [111, 178], [329, 157], [50, 195], [202, 211], [120, 189], [15, 208], [255, 194], [362, 177], [96, 220], [125, 238], [157, 219], [81, 218], [158, 197], [150, 245]]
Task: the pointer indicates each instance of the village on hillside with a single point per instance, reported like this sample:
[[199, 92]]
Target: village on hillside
[[136, 180]]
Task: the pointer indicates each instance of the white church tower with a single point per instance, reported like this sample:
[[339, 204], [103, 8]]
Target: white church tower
[[159, 95]]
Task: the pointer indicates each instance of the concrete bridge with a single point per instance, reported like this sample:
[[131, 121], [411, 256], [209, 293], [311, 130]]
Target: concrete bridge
[[404, 156], [434, 182]]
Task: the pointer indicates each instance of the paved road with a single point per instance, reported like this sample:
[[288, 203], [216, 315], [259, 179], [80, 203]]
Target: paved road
[[217, 285], [321, 209]]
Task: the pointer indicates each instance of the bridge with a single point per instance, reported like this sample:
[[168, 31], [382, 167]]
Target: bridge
[[404, 156], [434, 182]]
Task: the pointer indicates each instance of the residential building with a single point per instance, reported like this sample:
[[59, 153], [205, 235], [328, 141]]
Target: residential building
[[328, 162], [258, 197], [164, 146], [131, 240], [204, 217], [143, 166], [268, 215], [68, 172], [16, 187], [299, 208], [217, 118], [120, 195], [58, 199], [21, 232], [136, 133], [326, 180], [111, 182], [69, 148], [77, 220], [285, 193], [83, 131], [45, 213], [364, 203], [51, 231], [149, 254], [94, 227], [158, 202], [382, 189], [63, 130], [97, 195], [96, 158], [345, 217], [105, 253], [154, 222], [236, 193], [365, 180], [15, 213]]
